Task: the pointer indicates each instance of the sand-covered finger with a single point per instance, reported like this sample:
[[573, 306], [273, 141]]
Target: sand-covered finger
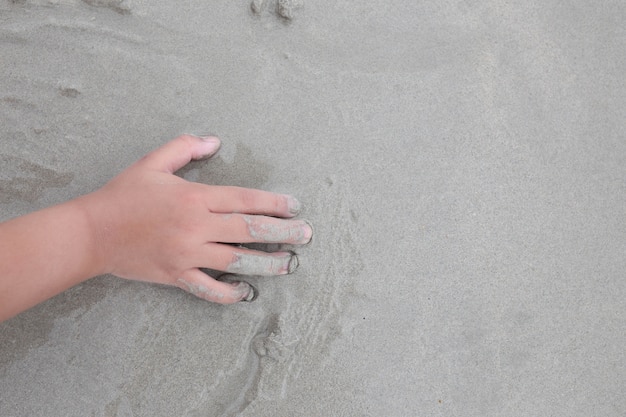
[[265, 264], [269, 230], [203, 286], [244, 228]]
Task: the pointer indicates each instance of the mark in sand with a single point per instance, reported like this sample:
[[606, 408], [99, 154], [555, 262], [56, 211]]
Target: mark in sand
[[118, 6], [284, 9], [26, 180]]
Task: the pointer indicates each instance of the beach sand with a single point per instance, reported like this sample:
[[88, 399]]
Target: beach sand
[[463, 164]]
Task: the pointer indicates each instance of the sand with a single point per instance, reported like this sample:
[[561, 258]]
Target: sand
[[463, 164]]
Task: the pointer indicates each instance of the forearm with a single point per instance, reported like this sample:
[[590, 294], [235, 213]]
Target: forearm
[[43, 254]]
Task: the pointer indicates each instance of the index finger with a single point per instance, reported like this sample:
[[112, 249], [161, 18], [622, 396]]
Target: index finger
[[228, 199]]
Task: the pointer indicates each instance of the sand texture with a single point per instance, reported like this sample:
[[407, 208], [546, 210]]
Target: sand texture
[[463, 164]]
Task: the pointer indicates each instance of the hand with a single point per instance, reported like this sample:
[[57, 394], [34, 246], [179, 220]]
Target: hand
[[151, 225]]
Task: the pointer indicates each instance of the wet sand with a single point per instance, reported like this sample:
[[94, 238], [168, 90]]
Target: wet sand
[[463, 164]]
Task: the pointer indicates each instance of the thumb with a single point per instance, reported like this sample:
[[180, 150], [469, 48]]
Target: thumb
[[179, 152]]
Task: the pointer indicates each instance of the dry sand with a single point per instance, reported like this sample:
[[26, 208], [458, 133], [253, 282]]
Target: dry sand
[[463, 163]]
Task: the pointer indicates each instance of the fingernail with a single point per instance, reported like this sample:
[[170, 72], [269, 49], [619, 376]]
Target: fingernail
[[308, 232], [294, 206], [252, 293], [209, 138], [293, 263], [211, 144]]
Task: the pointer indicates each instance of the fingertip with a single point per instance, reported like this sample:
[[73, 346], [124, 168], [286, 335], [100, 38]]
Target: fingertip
[[180, 151], [293, 264], [252, 295], [250, 292], [244, 291], [294, 206], [308, 232], [240, 291], [207, 146], [203, 286]]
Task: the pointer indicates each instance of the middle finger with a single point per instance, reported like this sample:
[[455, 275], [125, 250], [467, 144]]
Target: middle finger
[[245, 228]]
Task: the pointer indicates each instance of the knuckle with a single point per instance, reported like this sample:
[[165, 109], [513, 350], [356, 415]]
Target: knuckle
[[280, 204], [248, 198], [191, 197]]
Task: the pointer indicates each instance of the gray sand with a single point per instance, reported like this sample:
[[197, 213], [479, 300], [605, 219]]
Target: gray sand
[[463, 163]]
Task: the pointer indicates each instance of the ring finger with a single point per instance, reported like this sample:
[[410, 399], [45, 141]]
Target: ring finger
[[242, 261]]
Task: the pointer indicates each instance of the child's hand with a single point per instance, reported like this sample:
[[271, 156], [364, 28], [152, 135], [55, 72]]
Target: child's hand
[[151, 225]]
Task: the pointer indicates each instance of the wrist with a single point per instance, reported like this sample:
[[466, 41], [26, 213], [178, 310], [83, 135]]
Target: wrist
[[94, 234]]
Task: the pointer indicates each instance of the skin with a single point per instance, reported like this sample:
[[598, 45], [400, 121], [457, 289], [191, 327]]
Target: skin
[[149, 225]]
